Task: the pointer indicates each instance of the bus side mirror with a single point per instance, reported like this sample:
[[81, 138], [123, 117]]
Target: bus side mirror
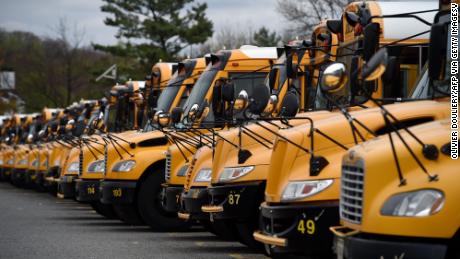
[[100, 125], [371, 40], [271, 105], [241, 101], [41, 134], [291, 68], [203, 110], [228, 92], [161, 118], [176, 114], [290, 105], [30, 138], [70, 125], [193, 112], [334, 78], [79, 129], [164, 119], [260, 99], [376, 66], [352, 18], [437, 52]]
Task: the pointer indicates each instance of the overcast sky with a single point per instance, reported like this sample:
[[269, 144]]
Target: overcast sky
[[40, 16]]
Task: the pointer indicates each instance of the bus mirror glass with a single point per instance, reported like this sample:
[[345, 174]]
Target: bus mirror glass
[[371, 40], [334, 78], [260, 99], [376, 66], [241, 101], [437, 51], [290, 105]]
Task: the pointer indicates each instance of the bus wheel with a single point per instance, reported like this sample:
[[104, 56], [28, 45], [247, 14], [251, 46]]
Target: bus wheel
[[225, 229], [128, 214], [105, 210], [245, 233], [151, 208]]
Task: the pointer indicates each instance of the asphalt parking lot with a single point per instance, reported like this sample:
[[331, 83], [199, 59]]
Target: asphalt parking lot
[[38, 225]]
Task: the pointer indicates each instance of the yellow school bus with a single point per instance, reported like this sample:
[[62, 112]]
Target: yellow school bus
[[133, 179], [397, 196], [92, 169], [299, 188], [320, 51]]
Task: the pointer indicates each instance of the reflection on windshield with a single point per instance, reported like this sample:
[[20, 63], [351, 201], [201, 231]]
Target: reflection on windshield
[[169, 93], [280, 70], [200, 89], [94, 116]]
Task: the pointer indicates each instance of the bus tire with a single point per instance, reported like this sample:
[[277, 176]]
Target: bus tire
[[225, 229], [105, 210], [128, 214], [150, 206]]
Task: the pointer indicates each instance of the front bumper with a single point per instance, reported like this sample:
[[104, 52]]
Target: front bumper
[[118, 192], [87, 190], [66, 187], [51, 178], [235, 201], [299, 228], [191, 203], [171, 198], [373, 246]]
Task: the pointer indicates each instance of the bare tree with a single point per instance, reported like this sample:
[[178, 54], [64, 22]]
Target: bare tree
[[303, 15], [71, 40], [230, 36]]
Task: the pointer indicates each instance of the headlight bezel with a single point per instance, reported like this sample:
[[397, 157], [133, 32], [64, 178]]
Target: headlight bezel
[[228, 174], [392, 205], [94, 165], [203, 174], [296, 189], [124, 166], [73, 167]]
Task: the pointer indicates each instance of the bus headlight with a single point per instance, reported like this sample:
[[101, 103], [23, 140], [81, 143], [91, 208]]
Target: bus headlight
[[1, 161], [303, 189], [419, 203], [96, 167], [232, 173], [204, 175], [124, 166], [73, 167]]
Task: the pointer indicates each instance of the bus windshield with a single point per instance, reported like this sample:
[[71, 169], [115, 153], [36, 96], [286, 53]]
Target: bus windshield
[[169, 93], [200, 89]]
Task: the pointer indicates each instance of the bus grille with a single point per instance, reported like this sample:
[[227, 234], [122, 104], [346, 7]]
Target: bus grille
[[168, 167], [105, 159], [80, 167], [351, 195]]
